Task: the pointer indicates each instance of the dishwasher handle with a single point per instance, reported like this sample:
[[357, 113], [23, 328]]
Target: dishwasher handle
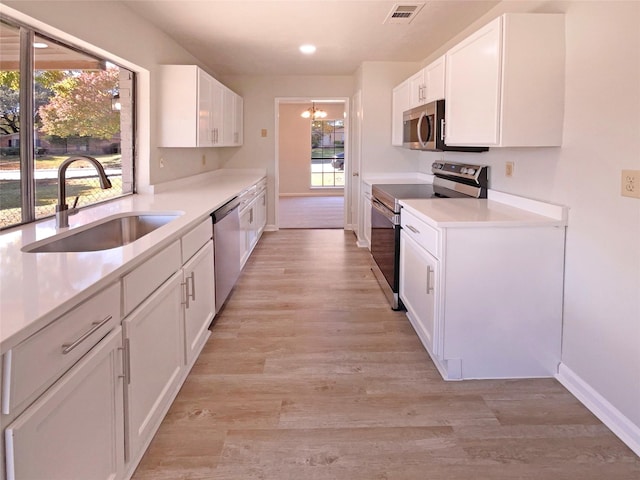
[[225, 210]]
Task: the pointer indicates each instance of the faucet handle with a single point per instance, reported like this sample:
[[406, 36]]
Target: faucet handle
[[75, 202]]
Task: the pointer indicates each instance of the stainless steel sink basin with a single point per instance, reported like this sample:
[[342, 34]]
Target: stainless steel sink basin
[[110, 233]]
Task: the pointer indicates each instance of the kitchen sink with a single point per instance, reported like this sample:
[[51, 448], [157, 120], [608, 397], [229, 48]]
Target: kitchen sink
[[109, 233]]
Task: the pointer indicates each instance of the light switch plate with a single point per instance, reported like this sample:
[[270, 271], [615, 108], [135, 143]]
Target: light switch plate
[[630, 184]]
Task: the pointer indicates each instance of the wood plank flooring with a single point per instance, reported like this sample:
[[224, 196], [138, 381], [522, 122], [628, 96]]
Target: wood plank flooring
[[311, 212], [309, 375]]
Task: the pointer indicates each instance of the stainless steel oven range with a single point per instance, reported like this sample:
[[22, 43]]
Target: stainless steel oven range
[[452, 180]]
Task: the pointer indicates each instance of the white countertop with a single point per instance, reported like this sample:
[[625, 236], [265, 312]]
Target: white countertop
[[36, 288], [499, 210]]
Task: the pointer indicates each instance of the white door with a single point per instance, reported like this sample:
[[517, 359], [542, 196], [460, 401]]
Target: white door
[[355, 163], [75, 430]]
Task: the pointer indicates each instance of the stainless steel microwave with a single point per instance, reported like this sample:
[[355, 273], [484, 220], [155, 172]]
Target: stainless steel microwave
[[424, 129]]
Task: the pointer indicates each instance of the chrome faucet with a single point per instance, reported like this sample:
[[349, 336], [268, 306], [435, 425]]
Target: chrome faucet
[[62, 209]]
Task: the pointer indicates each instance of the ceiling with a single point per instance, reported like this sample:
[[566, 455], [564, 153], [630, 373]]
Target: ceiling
[[261, 37]]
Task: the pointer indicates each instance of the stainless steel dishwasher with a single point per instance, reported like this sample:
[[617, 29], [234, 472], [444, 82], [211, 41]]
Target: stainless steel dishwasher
[[226, 249]]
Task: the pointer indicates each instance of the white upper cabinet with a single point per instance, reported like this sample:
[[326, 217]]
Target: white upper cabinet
[[427, 85], [400, 103], [196, 110], [505, 84], [434, 75], [416, 89]]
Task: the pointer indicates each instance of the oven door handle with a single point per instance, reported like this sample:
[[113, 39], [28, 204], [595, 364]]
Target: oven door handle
[[388, 214]]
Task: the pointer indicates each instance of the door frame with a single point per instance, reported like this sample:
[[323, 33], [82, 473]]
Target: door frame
[[347, 221]]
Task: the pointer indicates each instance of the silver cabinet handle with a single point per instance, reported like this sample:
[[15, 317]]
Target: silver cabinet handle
[[429, 286], [67, 347], [126, 362], [193, 286], [442, 123], [413, 229], [188, 295]]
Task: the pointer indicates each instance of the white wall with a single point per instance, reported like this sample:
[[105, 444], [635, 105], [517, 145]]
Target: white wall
[[376, 81], [260, 93], [601, 339], [110, 29]]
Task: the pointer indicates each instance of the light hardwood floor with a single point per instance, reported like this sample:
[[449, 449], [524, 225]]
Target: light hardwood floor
[[311, 212], [309, 375]]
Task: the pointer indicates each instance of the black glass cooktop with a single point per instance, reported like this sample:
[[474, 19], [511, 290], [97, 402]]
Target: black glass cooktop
[[390, 194]]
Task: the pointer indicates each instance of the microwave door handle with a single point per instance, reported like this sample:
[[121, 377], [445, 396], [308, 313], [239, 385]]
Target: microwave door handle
[[422, 117], [424, 142]]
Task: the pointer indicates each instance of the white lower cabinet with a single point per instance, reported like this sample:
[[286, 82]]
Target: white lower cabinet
[[154, 345], [74, 430], [486, 302], [419, 288], [199, 303], [253, 218]]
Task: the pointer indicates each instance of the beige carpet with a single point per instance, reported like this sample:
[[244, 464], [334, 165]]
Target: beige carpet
[[311, 212]]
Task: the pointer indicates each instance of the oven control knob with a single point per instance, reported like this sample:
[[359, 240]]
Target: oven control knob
[[463, 170], [437, 166], [471, 171]]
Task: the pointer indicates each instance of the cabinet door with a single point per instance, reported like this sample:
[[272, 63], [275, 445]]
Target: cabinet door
[[366, 215], [418, 289], [434, 80], [473, 87], [155, 348], [228, 117], [261, 212], [199, 302], [238, 121], [400, 105], [217, 112], [245, 227], [75, 430], [416, 89], [205, 129]]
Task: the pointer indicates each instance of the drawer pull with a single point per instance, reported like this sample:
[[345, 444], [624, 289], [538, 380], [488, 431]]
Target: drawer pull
[[413, 229], [67, 347]]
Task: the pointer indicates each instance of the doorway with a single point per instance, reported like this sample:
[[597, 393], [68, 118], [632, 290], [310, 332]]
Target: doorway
[[312, 163]]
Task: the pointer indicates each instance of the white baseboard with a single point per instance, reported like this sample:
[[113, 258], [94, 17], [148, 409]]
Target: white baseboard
[[270, 228], [618, 423]]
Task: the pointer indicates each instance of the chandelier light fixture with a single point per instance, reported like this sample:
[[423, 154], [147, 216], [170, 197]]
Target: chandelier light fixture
[[313, 112]]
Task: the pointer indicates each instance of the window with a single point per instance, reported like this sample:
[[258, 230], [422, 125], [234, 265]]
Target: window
[[327, 153], [77, 104]]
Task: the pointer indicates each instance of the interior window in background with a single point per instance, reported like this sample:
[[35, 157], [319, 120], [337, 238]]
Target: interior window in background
[[327, 153], [81, 105]]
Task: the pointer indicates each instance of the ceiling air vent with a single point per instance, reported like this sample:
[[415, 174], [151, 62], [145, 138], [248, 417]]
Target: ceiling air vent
[[403, 12]]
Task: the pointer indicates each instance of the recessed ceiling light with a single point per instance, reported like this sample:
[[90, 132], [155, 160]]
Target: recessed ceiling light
[[40, 45], [307, 49]]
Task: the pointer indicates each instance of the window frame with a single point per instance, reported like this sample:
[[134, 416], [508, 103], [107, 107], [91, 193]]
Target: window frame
[[27, 34]]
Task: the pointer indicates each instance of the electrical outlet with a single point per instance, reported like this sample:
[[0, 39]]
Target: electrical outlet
[[630, 185], [263, 132], [204, 159], [161, 162], [508, 169]]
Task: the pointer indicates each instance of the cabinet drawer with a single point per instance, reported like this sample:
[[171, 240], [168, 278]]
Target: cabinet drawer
[[35, 364], [142, 281], [425, 235], [196, 238]]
